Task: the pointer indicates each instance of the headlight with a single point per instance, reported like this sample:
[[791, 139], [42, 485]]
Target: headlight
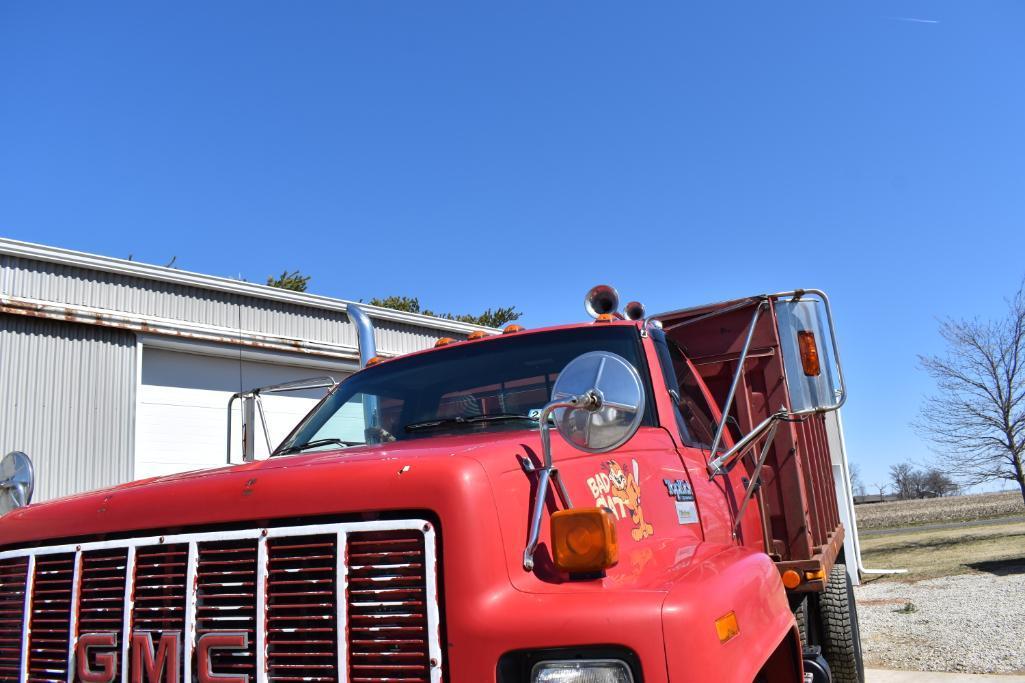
[[582, 671]]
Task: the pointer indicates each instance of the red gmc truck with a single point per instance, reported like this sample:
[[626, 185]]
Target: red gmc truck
[[634, 499]]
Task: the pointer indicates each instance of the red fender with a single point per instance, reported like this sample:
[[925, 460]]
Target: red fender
[[734, 580]]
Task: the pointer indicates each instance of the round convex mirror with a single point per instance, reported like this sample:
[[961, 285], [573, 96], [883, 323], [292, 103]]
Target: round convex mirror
[[16, 481], [621, 394]]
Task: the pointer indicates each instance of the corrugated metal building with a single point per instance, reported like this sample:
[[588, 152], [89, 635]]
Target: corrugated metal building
[[112, 370]]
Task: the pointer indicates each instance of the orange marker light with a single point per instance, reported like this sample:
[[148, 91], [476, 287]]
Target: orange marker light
[[809, 353], [444, 341], [604, 318], [374, 361], [477, 334], [509, 329], [727, 627], [791, 579], [584, 540]]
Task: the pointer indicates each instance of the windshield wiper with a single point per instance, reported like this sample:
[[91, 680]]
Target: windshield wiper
[[452, 421], [316, 443]]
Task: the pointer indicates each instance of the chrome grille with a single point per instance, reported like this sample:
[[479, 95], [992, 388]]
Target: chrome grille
[[226, 600], [51, 618], [286, 595], [158, 598], [101, 594], [302, 609], [387, 607], [13, 577]]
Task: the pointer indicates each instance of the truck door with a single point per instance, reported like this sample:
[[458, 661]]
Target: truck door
[[696, 421]]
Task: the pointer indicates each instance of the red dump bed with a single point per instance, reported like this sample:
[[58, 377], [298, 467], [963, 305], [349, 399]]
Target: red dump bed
[[797, 498]]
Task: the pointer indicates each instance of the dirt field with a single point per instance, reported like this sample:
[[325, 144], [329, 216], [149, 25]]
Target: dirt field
[[939, 510]]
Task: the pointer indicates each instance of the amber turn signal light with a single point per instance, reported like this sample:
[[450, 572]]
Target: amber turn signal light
[[727, 627], [584, 540], [809, 353]]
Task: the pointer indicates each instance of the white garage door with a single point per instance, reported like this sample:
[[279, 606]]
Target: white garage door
[[181, 410]]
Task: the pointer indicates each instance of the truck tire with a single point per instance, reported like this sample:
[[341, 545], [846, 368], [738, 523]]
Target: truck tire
[[801, 615], [841, 638]]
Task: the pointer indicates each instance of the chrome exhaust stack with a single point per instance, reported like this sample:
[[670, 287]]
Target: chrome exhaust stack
[[364, 332], [367, 350]]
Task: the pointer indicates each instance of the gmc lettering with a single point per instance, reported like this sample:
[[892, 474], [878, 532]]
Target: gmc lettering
[[97, 656]]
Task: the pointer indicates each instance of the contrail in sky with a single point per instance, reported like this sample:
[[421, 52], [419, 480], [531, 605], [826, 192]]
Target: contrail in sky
[[915, 20]]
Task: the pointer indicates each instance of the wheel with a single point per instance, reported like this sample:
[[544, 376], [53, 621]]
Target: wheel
[[841, 638], [800, 606]]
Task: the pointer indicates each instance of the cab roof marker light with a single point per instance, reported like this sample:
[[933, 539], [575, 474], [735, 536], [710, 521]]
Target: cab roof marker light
[[512, 329], [444, 341], [477, 334]]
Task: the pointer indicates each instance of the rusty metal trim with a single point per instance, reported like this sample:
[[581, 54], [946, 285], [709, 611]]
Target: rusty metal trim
[[172, 328], [824, 559], [106, 264]]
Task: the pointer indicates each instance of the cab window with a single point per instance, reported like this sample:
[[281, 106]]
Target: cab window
[[693, 415]]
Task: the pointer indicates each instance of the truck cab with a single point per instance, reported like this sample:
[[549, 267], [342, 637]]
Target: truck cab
[[634, 498]]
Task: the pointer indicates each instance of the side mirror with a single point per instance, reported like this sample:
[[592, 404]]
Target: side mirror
[[612, 406], [598, 404], [811, 359], [17, 480]]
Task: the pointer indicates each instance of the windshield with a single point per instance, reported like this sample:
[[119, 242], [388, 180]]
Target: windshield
[[500, 384]]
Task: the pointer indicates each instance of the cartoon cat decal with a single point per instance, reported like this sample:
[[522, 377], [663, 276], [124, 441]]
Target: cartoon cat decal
[[626, 488]]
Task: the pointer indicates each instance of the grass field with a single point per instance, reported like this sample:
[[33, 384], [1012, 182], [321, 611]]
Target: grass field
[[926, 554], [983, 533]]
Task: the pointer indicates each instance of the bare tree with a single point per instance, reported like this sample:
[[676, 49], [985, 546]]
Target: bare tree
[[857, 487], [976, 421], [935, 482], [905, 480]]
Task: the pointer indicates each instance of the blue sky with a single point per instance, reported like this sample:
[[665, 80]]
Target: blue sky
[[485, 154]]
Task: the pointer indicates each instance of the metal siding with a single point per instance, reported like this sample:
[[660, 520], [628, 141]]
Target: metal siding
[[72, 285], [67, 397]]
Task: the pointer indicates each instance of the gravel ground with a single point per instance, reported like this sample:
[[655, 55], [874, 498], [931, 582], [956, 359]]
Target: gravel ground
[[972, 623]]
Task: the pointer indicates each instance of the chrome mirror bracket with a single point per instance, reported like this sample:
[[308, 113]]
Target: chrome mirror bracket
[[548, 472]]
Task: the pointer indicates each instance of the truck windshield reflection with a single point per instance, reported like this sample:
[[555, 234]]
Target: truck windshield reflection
[[497, 384]]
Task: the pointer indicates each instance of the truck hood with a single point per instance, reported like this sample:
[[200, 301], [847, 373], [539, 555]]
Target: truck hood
[[407, 475]]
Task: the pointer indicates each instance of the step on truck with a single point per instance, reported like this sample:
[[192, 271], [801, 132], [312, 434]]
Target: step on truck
[[638, 498]]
